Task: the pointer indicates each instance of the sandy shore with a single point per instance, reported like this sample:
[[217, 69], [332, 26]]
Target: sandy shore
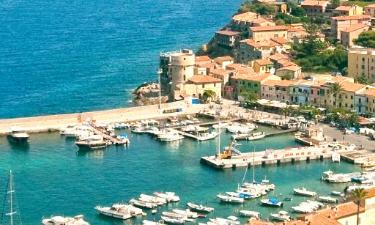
[[55, 122]]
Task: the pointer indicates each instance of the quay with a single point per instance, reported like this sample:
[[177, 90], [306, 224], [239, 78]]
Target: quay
[[51, 123], [269, 157], [281, 132]]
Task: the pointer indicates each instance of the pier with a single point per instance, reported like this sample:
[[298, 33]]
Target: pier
[[269, 157]]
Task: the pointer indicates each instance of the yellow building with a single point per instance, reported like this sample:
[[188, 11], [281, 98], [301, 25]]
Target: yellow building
[[262, 66], [370, 98], [268, 32], [198, 84], [369, 10], [348, 10], [350, 33], [361, 61]]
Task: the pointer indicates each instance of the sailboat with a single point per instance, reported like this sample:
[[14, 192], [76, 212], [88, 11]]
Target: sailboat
[[10, 215]]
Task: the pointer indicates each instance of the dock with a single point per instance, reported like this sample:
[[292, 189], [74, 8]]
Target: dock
[[113, 140], [281, 132], [269, 157]]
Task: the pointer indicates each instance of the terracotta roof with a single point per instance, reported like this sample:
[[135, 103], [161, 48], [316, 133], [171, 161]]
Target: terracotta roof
[[269, 28], [278, 56], [203, 79], [370, 92], [202, 58], [354, 27], [356, 17], [222, 59], [261, 20], [240, 68], [263, 62], [228, 32], [314, 3], [259, 44], [280, 40], [245, 17], [280, 83], [206, 65], [344, 8], [370, 6], [256, 77], [370, 193], [286, 62], [291, 68], [219, 72], [351, 87]]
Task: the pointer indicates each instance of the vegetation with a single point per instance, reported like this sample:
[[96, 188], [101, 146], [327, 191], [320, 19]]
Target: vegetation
[[362, 80], [313, 56], [362, 3], [335, 3], [260, 8], [289, 19], [249, 96], [335, 90], [208, 95], [342, 117], [358, 195], [366, 39]]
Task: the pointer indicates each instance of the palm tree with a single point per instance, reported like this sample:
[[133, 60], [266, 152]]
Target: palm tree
[[335, 90], [358, 195], [208, 95]]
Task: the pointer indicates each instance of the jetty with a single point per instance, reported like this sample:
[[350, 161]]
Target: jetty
[[269, 157]]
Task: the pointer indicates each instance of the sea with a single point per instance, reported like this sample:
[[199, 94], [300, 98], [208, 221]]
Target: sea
[[72, 56]]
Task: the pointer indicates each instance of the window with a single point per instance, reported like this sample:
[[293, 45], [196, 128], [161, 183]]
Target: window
[[202, 85]]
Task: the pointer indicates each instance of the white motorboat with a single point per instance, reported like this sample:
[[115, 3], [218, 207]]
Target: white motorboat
[[169, 196], [76, 131], [174, 215], [149, 222], [60, 220], [280, 216], [337, 193], [187, 213], [241, 128], [152, 199], [304, 192], [120, 211], [327, 199], [223, 221], [170, 220], [220, 125], [240, 195], [248, 213], [256, 136], [199, 208], [143, 204], [273, 202], [332, 177], [169, 136], [230, 199], [18, 136], [207, 136], [91, 143]]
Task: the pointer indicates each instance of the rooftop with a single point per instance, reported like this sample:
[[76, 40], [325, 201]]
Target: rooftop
[[255, 77], [202, 58], [259, 44], [344, 8], [314, 3], [228, 32], [222, 59], [203, 79], [372, 6], [278, 56], [263, 62], [290, 68], [280, 40], [220, 72], [245, 17], [351, 87], [355, 17], [354, 27], [269, 28]]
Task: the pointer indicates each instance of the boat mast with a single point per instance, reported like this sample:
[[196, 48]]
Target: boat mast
[[219, 139], [253, 163], [10, 192]]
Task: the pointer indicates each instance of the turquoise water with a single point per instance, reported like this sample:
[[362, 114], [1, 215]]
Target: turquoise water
[[52, 178], [91, 54]]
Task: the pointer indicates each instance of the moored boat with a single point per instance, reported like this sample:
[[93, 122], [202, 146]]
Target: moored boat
[[170, 220], [327, 199], [143, 204], [60, 220], [18, 136], [91, 143], [199, 208], [280, 216], [230, 199], [273, 202], [120, 211], [248, 213], [304, 192], [169, 196]]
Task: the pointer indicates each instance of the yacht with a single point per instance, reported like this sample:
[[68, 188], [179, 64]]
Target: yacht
[[240, 195], [223, 221], [248, 213], [332, 177], [337, 193], [327, 199], [91, 143], [256, 136], [280, 216], [169, 136], [153, 199], [18, 136], [120, 211], [304, 192], [273, 202], [199, 208], [148, 222], [143, 204], [187, 213], [169, 196], [59, 220], [230, 199], [170, 220], [241, 128]]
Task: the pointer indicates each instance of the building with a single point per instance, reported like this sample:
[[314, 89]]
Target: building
[[348, 10], [340, 23], [223, 61], [251, 83], [278, 90], [361, 61], [314, 8], [370, 99], [227, 38], [198, 84], [268, 32], [262, 22], [262, 66], [369, 10], [250, 50], [222, 75], [289, 72], [350, 33], [242, 21]]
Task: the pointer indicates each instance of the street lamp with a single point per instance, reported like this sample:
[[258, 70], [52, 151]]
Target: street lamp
[[159, 72]]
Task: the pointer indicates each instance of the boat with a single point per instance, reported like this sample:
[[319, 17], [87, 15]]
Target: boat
[[60, 220], [273, 202], [241, 128], [18, 136], [143, 204], [280, 216], [327, 199], [331, 177], [152, 199], [256, 136], [169, 136], [304, 192], [174, 215], [223, 221], [230, 199], [120, 211], [248, 213], [10, 204], [169, 220], [92, 142], [337, 193], [336, 157], [187, 213], [199, 208], [169, 196], [240, 195], [149, 222]]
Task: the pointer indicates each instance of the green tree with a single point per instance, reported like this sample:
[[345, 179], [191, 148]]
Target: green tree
[[260, 8], [208, 95], [335, 3], [366, 39], [362, 79], [335, 89], [295, 10], [249, 96], [358, 195]]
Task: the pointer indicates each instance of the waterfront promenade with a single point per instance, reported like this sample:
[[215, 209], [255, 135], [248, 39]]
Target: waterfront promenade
[[56, 122]]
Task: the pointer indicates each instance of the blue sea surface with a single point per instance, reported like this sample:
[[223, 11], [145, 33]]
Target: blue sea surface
[[73, 55]]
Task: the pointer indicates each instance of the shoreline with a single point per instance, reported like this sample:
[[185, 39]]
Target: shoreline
[[50, 123]]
